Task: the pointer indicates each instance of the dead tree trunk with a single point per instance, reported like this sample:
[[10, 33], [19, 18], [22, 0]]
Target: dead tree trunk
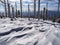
[[44, 14], [34, 9], [12, 12], [5, 9], [47, 10], [58, 7], [8, 9], [21, 7], [16, 9], [38, 9], [28, 12]]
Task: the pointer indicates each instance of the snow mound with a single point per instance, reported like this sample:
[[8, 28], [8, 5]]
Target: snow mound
[[24, 32]]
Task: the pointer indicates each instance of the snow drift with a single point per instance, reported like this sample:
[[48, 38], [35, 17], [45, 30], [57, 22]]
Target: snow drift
[[25, 32]]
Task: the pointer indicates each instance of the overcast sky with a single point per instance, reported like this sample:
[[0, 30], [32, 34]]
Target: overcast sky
[[52, 4]]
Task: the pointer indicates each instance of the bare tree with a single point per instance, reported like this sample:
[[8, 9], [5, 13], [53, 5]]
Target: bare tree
[[4, 2], [5, 8], [47, 10], [38, 9], [34, 8], [58, 6], [12, 11], [8, 8], [28, 12], [21, 7], [44, 14], [16, 10]]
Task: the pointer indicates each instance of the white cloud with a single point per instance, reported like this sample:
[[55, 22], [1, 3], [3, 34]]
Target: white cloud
[[28, 0], [12, 0], [31, 5]]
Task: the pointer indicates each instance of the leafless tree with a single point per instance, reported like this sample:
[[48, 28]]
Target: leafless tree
[[21, 7], [4, 2], [38, 9], [12, 11], [16, 9], [5, 8], [28, 12], [8, 8], [47, 10], [58, 6], [34, 8]]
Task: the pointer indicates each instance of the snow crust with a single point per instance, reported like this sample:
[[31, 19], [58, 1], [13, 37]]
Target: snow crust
[[24, 32]]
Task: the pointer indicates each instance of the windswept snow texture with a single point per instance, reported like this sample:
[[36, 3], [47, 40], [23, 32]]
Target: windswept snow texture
[[24, 32]]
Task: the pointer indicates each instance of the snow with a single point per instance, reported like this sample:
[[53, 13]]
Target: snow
[[24, 32]]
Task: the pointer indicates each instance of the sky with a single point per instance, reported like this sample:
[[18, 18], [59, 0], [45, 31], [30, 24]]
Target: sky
[[51, 6]]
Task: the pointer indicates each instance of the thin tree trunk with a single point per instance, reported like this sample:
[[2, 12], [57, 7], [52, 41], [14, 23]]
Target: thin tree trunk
[[5, 9], [47, 10], [16, 9], [28, 12], [34, 8], [8, 9], [38, 9], [58, 6], [21, 7], [12, 12]]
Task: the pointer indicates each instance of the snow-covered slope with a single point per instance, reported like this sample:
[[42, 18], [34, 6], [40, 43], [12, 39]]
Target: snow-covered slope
[[24, 32]]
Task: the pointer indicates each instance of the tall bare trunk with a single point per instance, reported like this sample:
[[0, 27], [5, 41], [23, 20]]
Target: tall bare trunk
[[34, 8], [8, 9], [58, 6], [47, 10], [12, 12], [5, 8], [38, 9], [28, 12], [21, 7], [16, 9]]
